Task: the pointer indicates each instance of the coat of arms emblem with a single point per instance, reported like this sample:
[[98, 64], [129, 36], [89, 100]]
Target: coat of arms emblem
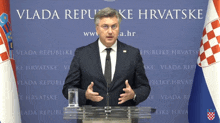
[[210, 114]]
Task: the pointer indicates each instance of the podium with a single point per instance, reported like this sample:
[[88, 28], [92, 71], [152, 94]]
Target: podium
[[106, 114]]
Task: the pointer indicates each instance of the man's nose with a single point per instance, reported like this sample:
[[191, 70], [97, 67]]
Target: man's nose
[[110, 30]]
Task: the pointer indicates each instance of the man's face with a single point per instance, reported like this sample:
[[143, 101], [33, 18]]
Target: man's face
[[108, 30]]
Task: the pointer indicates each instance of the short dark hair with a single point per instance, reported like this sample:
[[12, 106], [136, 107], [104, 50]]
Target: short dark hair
[[107, 12]]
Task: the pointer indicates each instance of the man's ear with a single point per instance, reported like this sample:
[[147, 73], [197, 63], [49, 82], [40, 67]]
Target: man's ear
[[97, 29]]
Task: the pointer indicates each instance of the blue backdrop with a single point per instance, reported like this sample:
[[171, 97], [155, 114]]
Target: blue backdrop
[[47, 32]]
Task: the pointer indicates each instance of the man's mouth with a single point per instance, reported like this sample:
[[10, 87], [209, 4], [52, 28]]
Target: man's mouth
[[109, 36]]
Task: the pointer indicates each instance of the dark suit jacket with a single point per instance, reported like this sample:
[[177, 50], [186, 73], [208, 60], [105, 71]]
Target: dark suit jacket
[[86, 68]]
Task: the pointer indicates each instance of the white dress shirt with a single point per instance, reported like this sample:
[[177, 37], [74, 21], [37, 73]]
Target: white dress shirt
[[113, 55]]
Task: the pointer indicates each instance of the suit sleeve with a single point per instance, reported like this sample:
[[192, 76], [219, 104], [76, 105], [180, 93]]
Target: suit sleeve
[[142, 88], [73, 79]]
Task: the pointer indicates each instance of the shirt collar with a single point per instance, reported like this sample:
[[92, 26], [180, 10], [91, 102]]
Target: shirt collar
[[102, 47]]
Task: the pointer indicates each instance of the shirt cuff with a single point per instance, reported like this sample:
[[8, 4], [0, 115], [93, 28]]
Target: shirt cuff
[[134, 97]]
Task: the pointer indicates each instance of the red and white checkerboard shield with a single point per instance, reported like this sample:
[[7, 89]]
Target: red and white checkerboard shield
[[210, 45], [209, 52], [211, 114], [3, 51]]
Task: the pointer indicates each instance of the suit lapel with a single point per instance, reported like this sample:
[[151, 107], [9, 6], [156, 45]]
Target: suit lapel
[[121, 58], [96, 58]]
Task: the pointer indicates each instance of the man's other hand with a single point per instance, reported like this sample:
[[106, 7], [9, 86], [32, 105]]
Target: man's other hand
[[94, 96], [129, 93]]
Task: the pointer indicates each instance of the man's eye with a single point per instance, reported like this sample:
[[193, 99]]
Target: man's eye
[[114, 27], [105, 27]]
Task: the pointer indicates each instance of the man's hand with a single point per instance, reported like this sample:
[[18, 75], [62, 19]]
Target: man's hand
[[129, 93], [94, 96]]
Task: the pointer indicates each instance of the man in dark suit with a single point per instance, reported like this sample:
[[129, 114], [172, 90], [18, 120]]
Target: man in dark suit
[[108, 72]]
